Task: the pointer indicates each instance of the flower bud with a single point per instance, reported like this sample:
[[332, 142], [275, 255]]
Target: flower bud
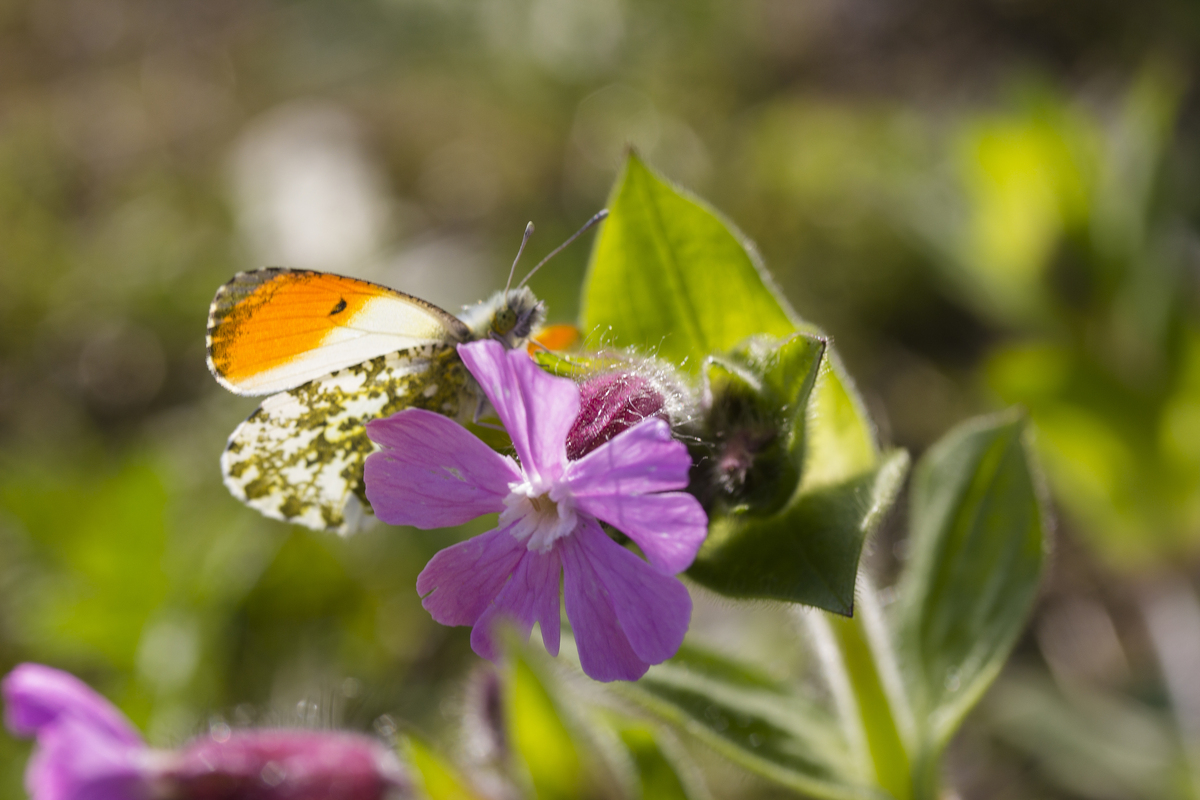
[[608, 404], [757, 400], [284, 765], [87, 750]]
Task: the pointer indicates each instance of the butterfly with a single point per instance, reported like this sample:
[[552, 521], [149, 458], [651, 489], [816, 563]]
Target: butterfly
[[333, 353]]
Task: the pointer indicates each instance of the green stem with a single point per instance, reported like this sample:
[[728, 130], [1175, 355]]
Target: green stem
[[927, 775], [862, 672]]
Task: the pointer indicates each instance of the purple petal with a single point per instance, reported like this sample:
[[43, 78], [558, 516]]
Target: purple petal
[[76, 761], [640, 460], [531, 596], [654, 609], [459, 583], [604, 650], [668, 527], [537, 409], [626, 615], [433, 472], [37, 697]]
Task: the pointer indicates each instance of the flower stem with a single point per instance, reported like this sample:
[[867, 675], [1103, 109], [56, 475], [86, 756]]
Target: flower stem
[[860, 667]]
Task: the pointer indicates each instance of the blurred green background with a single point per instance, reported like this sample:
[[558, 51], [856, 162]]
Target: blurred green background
[[985, 203]]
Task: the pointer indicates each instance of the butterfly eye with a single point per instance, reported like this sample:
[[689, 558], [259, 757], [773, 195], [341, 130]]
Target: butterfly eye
[[504, 321]]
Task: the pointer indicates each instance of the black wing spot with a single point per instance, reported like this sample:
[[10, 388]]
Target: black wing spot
[[340, 307]]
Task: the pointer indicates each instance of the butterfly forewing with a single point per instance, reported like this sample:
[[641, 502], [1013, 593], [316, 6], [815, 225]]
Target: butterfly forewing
[[276, 329], [300, 456]]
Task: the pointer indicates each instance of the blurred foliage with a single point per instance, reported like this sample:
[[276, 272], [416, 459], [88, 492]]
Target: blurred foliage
[[983, 203], [1067, 238], [522, 740]]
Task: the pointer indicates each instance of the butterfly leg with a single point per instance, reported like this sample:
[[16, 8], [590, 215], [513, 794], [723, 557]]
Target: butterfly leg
[[477, 417]]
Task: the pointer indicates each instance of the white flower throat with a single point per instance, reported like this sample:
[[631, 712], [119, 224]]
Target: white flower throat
[[538, 515]]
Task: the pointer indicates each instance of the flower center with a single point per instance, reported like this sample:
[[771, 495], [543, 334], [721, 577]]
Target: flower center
[[537, 515]]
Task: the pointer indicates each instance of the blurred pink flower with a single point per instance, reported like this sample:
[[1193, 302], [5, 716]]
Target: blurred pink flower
[[87, 750], [626, 613]]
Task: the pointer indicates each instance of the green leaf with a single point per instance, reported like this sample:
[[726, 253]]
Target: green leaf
[[670, 277], [976, 546], [808, 552], [755, 722], [439, 779], [541, 736], [840, 439], [668, 274], [658, 774]]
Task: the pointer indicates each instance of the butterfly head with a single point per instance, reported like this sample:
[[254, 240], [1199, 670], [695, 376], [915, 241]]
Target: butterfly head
[[510, 317]]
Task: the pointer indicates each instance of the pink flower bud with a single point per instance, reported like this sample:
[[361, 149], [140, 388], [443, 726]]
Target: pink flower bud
[[285, 765], [609, 404], [87, 750]]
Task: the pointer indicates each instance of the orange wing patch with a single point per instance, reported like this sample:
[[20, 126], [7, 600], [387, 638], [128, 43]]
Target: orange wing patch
[[288, 314], [554, 337], [275, 329]]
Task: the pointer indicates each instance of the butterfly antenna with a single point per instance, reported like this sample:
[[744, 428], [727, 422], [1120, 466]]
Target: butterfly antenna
[[521, 249], [601, 214]]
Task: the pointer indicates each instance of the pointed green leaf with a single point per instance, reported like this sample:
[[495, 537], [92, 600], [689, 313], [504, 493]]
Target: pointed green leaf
[[755, 722], [976, 543], [667, 273], [808, 552], [669, 276]]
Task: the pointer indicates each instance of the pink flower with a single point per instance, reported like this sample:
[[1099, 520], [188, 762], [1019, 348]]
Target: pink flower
[[626, 613], [87, 750]]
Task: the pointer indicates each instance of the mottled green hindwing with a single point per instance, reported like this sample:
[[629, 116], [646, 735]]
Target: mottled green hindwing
[[299, 457]]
